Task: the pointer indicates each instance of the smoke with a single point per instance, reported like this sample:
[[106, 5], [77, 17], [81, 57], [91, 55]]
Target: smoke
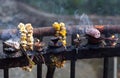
[[84, 20], [8, 34], [84, 24]]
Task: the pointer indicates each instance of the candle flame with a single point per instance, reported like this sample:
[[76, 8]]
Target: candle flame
[[113, 36], [78, 36]]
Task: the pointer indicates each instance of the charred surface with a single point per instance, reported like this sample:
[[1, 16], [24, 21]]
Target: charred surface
[[13, 62], [69, 54]]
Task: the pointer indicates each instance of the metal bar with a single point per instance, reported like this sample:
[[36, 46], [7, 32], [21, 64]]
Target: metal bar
[[39, 70], [105, 70], [72, 69], [39, 66], [72, 64], [48, 31], [50, 71], [6, 73], [82, 54], [110, 67]]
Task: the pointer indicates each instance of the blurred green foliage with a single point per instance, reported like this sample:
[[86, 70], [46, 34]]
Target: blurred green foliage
[[99, 7]]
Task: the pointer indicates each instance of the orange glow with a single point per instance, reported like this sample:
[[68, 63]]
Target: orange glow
[[99, 27], [114, 44], [113, 36]]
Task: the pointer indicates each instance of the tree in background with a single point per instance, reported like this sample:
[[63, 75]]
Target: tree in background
[[99, 7]]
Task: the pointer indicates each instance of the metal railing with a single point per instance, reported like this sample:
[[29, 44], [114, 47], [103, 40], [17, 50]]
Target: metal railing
[[70, 54], [109, 71]]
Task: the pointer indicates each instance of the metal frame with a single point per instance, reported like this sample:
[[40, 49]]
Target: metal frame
[[105, 53]]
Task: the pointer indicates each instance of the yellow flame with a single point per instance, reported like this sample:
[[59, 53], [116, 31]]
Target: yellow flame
[[78, 36], [113, 36]]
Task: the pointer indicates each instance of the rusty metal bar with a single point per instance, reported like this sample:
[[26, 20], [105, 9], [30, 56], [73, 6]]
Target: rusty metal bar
[[49, 31], [38, 32], [43, 31]]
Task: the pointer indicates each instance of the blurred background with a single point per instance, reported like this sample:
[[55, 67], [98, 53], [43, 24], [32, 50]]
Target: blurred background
[[42, 13]]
